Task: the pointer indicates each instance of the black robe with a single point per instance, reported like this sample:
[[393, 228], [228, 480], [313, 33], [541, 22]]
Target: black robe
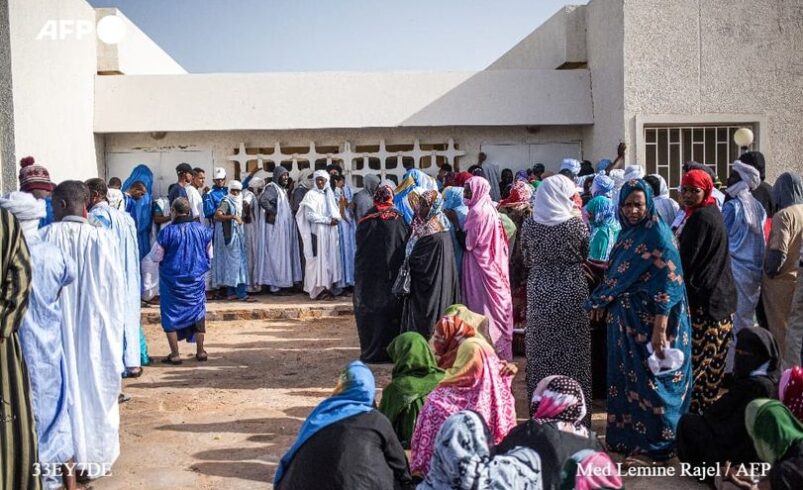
[[787, 472], [356, 453], [434, 283], [720, 434], [553, 445], [380, 253], [706, 262]]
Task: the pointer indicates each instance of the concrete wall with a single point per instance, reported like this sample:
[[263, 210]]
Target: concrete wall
[[559, 40], [605, 38], [223, 144], [53, 91], [340, 100], [135, 54], [718, 58]]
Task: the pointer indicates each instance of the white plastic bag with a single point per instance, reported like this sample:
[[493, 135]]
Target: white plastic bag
[[673, 359]]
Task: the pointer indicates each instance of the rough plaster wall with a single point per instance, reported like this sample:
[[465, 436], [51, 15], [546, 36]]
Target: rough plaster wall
[[53, 89], [222, 144], [719, 57], [605, 34], [7, 166]]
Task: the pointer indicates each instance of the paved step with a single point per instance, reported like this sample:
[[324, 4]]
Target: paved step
[[267, 307]]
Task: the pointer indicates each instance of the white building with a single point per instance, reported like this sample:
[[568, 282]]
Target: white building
[[671, 79]]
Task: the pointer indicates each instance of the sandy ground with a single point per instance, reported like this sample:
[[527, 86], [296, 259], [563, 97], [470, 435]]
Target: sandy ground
[[225, 423]]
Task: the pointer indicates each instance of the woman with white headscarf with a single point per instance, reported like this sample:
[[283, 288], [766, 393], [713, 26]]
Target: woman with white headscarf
[[555, 244], [317, 218], [230, 267], [744, 218], [666, 207]]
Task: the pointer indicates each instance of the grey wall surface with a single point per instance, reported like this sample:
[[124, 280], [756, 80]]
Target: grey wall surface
[[718, 57]]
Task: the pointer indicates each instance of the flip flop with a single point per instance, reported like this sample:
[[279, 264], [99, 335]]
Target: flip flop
[[170, 360], [202, 357]]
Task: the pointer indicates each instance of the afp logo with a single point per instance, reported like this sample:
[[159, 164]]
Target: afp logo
[[110, 29]]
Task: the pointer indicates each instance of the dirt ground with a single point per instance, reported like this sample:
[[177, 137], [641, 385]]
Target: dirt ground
[[225, 423]]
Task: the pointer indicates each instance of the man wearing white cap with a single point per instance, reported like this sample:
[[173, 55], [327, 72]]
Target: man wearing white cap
[[216, 194], [230, 262]]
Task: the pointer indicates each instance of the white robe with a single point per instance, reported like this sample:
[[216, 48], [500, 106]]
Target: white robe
[[92, 336], [282, 262], [323, 267], [125, 231]]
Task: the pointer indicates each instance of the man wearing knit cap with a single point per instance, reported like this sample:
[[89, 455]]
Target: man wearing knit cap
[[35, 179], [216, 194]]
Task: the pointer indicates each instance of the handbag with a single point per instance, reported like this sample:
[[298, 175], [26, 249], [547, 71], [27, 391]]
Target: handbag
[[401, 286]]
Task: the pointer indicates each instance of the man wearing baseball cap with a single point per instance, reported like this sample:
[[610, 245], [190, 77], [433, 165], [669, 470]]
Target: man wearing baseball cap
[[216, 194]]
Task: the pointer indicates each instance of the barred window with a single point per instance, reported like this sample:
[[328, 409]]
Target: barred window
[[667, 148]]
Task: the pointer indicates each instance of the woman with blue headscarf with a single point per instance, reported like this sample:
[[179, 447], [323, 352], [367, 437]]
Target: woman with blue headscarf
[[644, 298], [604, 226], [456, 210], [138, 189], [413, 181], [345, 442]]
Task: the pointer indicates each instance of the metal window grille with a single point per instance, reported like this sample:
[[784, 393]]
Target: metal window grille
[[380, 159], [669, 147]]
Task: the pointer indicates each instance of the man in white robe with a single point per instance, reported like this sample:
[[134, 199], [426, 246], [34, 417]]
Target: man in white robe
[[94, 315], [40, 340], [282, 262], [317, 218], [124, 229]]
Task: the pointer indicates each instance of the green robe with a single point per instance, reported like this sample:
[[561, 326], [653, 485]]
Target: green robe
[[415, 375], [18, 451]]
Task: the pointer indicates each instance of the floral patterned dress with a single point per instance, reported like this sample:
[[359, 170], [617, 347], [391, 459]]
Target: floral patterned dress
[[645, 279]]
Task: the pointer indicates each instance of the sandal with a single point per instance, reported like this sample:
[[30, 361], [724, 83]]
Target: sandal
[[170, 360], [122, 398], [134, 372], [202, 357], [247, 299]]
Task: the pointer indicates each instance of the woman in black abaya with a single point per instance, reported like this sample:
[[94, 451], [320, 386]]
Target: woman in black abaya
[[381, 237]]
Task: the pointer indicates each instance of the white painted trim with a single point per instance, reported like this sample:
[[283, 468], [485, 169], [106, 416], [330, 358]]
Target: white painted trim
[[758, 120]]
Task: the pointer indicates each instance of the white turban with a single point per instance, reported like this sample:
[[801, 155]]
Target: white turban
[[28, 209], [633, 172], [235, 185], [256, 182], [750, 179], [571, 165]]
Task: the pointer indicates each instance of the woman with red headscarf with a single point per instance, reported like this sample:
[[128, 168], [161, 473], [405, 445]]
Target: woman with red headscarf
[[486, 282], [381, 237], [704, 252]]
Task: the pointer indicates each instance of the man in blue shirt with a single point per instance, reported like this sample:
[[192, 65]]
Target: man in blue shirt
[[216, 194]]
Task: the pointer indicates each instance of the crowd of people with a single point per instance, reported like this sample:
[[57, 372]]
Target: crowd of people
[[685, 316]]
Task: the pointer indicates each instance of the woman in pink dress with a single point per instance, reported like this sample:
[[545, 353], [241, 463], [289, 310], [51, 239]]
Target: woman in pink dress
[[486, 281], [475, 380]]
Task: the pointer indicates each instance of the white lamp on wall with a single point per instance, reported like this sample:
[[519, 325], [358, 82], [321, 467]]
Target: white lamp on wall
[[743, 137]]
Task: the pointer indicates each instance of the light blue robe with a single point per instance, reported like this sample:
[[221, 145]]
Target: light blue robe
[[230, 261], [348, 238], [124, 229], [747, 260], [40, 337]]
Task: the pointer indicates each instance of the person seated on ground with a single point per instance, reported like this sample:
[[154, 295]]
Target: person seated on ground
[[590, 470], [790, 390], [778, 439], [719, 434], [345, 442], [476, 379], [415, 375], [556, 429], [464, 457]]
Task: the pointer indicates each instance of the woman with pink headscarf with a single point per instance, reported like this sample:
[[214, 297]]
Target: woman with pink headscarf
[[486, 281]]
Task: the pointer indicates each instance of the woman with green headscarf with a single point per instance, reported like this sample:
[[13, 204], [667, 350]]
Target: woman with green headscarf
[[415, 374], [778, 437]]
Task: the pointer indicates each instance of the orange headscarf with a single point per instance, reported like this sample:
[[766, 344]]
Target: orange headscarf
[[448, 333]]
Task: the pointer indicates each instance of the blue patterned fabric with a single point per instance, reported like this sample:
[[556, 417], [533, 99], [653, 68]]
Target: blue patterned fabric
[[644, 279], [604, 227], [356, 393]]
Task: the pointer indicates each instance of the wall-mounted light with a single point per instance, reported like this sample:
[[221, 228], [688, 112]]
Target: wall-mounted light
[[157, 135], [743, 137]]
